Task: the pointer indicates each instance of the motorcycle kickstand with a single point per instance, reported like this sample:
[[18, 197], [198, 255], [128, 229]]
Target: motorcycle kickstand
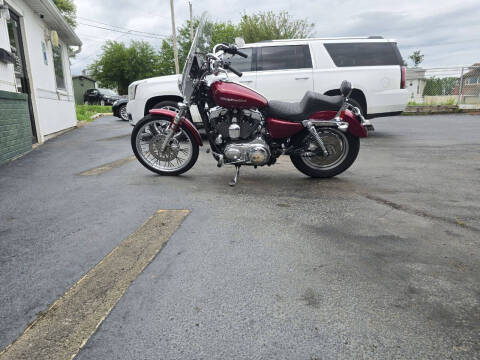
[[234, 181]]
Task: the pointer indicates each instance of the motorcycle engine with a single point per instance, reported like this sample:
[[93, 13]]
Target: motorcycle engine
[[239, 134]]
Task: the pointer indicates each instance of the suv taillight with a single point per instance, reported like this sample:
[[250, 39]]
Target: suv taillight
[[402, 79]]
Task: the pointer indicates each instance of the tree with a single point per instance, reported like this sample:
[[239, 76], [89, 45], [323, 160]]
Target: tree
[[68, 10], [120, 65], [416, 57], [214, 33], [269, 25], [440, 86], [166, 61]]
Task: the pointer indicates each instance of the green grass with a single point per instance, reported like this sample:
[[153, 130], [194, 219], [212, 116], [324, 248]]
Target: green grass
[[85, 112], [450, 102]]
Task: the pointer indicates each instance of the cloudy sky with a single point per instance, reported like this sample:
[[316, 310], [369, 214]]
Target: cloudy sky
[[447, 32]]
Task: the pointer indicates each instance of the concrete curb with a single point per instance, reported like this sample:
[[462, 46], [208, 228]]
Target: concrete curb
[[99, 115], [431, 109]]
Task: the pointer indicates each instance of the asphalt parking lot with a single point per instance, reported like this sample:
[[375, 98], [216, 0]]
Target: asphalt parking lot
[[381, 262]]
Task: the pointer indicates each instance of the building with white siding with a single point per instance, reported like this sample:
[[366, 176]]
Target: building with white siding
[[36, 92]]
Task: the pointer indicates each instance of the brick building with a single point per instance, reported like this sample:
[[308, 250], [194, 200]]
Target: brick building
[[36, 93]]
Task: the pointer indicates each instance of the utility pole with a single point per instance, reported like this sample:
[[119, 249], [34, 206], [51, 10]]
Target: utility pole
[[460, 88], [191, 20], [174, 32]]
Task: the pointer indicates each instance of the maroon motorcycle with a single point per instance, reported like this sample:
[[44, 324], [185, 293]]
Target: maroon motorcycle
[[320, 133]]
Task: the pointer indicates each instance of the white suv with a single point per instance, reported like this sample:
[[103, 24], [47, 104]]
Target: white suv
[[286, 69]]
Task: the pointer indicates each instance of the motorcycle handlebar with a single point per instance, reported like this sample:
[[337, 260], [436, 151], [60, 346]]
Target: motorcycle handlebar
[[232, 49], [242, 54], [235, 71]]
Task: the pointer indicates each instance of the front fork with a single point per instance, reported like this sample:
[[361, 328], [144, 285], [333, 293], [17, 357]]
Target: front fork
[[174, 126]]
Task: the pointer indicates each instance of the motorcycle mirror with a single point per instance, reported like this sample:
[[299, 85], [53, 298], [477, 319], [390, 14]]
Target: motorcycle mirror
[[346, 88], [239, 42]]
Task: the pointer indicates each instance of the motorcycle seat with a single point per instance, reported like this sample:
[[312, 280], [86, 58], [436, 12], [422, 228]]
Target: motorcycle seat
[[311, 103]]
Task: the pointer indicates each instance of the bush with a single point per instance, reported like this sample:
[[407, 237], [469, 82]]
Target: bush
[[85, 112]]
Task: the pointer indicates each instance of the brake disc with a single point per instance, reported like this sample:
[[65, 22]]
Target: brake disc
[[170, 152]]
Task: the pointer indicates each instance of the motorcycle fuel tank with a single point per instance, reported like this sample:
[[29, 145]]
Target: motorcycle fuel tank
[[233, 95]]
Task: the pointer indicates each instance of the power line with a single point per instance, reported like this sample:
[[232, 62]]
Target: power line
[[122, 28], [130, 32]]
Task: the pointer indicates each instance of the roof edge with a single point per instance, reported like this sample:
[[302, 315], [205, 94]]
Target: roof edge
[[67, 33]]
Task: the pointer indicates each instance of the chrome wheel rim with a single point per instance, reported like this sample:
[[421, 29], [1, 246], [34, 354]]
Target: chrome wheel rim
[[123, 112], [176, 155], [337, 146]]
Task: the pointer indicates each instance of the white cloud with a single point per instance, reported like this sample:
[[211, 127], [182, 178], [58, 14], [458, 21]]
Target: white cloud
[[447, 33]]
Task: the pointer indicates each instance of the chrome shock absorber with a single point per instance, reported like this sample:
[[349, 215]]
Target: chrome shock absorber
[[308, 124], [173, 128]]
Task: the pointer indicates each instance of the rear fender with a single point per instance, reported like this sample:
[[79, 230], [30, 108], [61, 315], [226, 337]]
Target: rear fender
[[187, 123], [354, 126]]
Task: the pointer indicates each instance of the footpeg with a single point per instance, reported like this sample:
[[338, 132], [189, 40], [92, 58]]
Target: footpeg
[[235, 178], [220, 161]]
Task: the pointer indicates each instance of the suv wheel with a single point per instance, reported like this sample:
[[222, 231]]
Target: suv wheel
[[123, 112], [362, 110], [357, 104], [167, 105], [173, 106]]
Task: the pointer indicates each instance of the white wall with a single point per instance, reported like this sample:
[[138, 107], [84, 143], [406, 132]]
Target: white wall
[[7, 77], [54, 109], [415, 89]]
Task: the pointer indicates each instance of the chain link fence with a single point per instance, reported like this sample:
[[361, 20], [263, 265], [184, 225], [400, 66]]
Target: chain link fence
[[455, 86]]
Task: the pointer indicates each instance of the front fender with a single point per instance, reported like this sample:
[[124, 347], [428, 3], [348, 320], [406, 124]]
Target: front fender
[[354, 126], [187, 123]]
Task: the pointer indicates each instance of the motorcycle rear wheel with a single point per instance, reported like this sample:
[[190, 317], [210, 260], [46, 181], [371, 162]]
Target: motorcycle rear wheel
[[179, 156], [343, 149]]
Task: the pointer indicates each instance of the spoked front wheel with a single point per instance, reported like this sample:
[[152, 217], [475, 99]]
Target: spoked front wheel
[[180, 154], [342, 150]]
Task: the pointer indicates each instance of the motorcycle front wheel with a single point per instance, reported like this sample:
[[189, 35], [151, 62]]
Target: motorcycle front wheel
[[178, 157], [342, 150]]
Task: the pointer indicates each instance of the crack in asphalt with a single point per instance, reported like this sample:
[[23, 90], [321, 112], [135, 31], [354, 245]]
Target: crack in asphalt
[[99, 170], [422, 213]]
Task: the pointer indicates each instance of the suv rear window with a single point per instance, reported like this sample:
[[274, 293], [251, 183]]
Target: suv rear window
[[284, 57], [364, 54]]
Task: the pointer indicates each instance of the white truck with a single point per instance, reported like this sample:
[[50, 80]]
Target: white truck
[[286, 69]]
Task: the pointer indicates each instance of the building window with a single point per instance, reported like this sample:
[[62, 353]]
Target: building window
[[472, 80], [58, 65]]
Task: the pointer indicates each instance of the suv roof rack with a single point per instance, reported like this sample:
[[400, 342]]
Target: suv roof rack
[[328, 38]]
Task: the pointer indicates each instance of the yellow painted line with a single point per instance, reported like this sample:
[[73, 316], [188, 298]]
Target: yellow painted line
[[61, 331], [99, 170]]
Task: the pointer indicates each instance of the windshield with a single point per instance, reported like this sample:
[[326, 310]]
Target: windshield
[[107, 92], [194, 59]]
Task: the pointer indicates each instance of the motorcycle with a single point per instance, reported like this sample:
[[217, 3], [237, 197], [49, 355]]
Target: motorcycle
[[320, 133]]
